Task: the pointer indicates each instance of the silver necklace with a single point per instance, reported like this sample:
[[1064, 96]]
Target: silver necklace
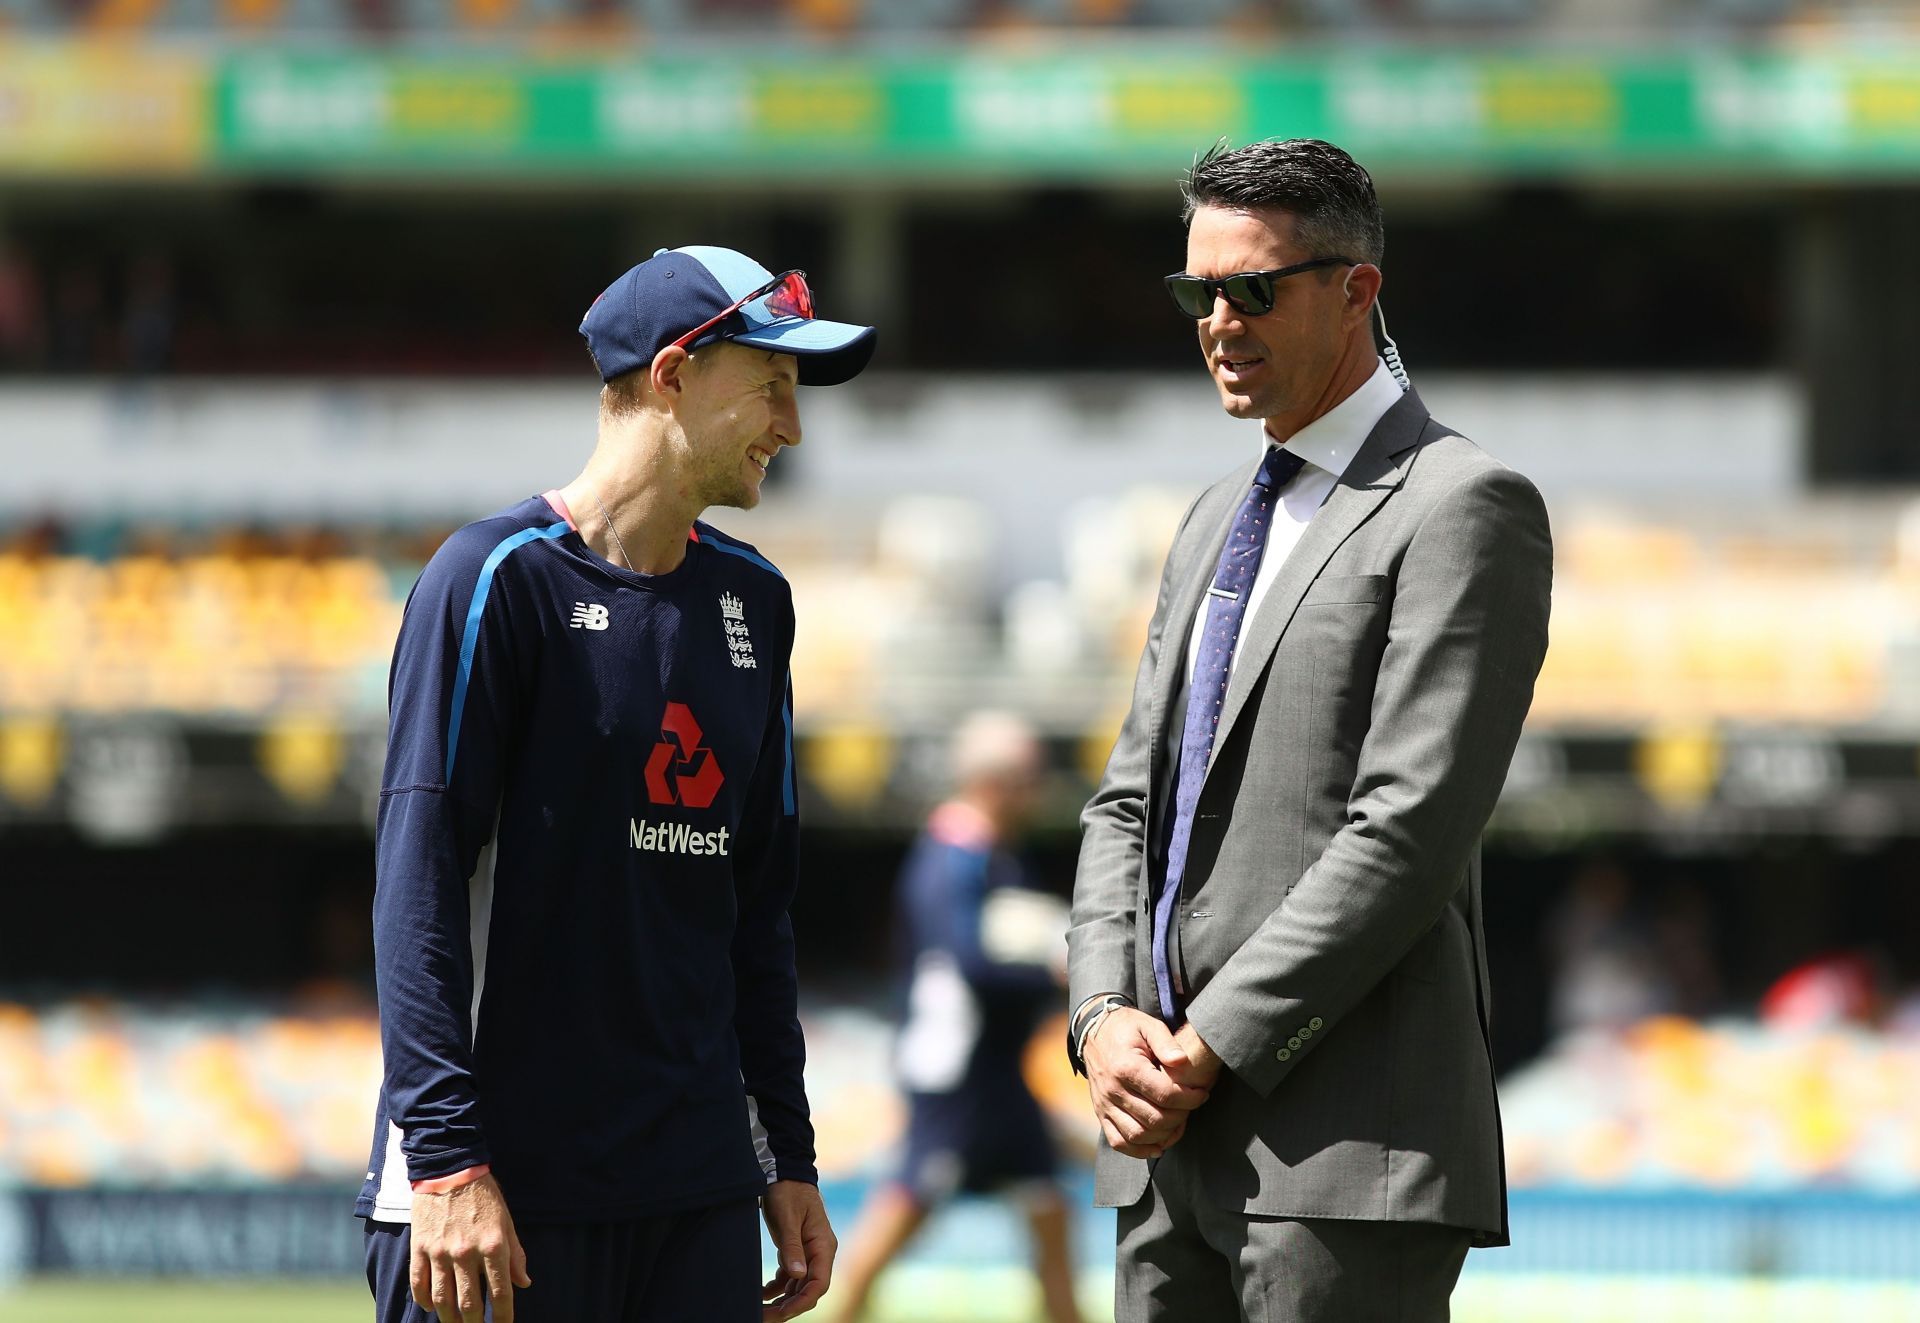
[[610, 528]]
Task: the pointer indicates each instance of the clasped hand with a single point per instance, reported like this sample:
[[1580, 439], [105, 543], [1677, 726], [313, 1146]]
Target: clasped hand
[[1146, 1081], [465, 1254]]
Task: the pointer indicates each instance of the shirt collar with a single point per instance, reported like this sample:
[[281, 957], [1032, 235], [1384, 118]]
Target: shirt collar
[[1332, 440]]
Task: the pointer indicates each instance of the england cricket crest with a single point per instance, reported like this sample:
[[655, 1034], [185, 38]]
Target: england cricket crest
[[739, 643]]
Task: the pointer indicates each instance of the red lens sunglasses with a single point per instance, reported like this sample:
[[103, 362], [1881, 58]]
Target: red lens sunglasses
[[787, 296]]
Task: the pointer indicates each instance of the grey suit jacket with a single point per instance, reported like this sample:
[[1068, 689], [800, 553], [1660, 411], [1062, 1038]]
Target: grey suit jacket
[[1328, 929]]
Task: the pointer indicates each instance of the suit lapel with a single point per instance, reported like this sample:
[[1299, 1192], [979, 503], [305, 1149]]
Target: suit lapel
[[1211, 522], [1373, 474]]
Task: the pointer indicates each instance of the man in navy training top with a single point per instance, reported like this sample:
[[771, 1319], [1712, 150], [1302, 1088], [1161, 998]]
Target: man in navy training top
[[985, 956], [586, 851]]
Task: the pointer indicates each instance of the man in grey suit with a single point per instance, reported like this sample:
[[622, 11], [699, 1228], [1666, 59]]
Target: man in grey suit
[[1278, 974]]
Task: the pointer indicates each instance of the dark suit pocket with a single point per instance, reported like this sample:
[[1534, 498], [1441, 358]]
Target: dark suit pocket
[[1346, 588]]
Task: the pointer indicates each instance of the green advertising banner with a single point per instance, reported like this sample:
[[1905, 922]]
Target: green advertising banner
[[1108, 113], [1104, 112], [694, 116]]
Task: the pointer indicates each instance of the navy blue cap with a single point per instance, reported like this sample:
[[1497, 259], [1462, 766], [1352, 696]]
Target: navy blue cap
[[676, 289]]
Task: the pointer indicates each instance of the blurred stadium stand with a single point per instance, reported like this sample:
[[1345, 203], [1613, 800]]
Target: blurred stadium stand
[[144, 1095], [466, 19], [136, 1095], [1655, 624]]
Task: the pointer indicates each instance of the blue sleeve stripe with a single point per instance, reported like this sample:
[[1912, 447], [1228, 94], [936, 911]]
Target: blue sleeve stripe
[[470, 638], [787, 795], [744, 554]]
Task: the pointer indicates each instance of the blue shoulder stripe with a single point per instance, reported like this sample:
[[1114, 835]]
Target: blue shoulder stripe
[[745, 555], [470, 638]]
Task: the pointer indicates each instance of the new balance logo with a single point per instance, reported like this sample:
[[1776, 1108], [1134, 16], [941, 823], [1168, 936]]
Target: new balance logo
[[588, 615]]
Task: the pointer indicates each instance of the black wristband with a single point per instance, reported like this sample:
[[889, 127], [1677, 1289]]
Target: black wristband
[[1089, 1010]]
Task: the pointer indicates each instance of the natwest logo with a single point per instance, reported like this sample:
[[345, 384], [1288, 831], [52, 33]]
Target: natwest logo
[[674, 838], [679, 770]]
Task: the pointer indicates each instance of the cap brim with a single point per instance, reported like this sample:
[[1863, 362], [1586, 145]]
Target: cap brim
[[829, 352]]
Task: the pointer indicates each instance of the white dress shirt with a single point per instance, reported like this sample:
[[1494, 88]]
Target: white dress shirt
[[1327, 444]]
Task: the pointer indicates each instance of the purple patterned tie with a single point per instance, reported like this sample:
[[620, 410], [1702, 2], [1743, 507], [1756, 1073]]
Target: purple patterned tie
[[1226, 607]]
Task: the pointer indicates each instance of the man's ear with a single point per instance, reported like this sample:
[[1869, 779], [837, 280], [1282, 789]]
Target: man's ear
[[667, 374], [1361, 289]]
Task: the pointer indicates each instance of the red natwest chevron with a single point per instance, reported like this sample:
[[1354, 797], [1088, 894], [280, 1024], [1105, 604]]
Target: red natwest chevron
[[694, 787]]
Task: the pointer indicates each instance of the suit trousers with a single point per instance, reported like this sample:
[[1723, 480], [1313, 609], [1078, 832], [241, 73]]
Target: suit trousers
[[1183, 1259]]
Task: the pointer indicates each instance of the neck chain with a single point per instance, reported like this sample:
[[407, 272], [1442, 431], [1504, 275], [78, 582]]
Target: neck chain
[[611, 530]]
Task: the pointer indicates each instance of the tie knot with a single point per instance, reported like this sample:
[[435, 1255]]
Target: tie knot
[[1277, 468]]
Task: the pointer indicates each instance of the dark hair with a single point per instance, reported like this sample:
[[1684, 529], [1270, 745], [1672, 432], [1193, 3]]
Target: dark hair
[[1329, 194]]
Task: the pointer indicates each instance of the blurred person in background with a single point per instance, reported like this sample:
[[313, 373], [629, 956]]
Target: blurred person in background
[[148, 321], [1834, 988], [586, 852], [21, 332], [985, 959], [1607, 973], [1619, 956], [1683, 939], [77, 339], [1278, 967]]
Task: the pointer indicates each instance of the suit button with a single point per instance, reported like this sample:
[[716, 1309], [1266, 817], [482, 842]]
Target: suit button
[[1282, 1054], [1294, 1043], [1305, 1032], [1315, 1024]]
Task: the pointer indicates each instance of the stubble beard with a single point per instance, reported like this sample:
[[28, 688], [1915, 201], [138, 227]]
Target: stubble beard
[[1237, 405], [742, 498], [730, 491]]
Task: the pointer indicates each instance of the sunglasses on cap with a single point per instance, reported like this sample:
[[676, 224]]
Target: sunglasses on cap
[[1250, 292], [787, 296]]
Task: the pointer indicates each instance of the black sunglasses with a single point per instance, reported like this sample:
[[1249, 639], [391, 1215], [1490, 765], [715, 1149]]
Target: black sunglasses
[[1249, 291]]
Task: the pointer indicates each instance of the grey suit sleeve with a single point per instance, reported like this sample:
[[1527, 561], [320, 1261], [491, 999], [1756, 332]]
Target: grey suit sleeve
[[1113, 842], [1465, 641]]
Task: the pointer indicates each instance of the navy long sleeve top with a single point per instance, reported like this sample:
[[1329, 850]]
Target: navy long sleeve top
[[970, 1009], [585, 856]]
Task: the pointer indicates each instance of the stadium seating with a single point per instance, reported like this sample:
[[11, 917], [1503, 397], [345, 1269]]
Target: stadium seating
[[206, 634], [1657, 1106], [375, 19], [106, 1094], [118, 1095], [1651, 622]]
